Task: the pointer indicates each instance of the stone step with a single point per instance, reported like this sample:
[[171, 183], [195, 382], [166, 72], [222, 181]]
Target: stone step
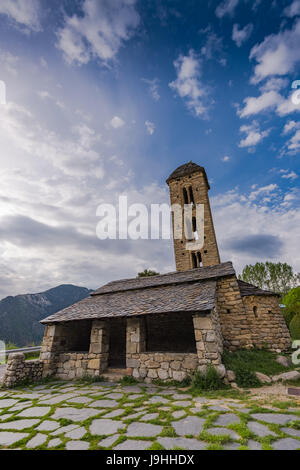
[[114, 375], [111, 370]]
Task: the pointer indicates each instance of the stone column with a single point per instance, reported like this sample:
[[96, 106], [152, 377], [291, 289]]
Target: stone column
[[207, 340], [54, 342], [99, 347], [135, 342]]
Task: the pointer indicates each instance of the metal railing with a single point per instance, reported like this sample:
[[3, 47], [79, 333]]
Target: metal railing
[[23, 350]]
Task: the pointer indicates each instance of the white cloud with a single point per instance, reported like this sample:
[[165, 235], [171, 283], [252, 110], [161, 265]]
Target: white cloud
[[237, 218], [153, 88], [99, 32], [213, 47], [150, 126], [117, 122], [263, 190], [289, 126], [278, 54], [275, 84], [292, 175], [226, 8], [9, 62], [45, 95], [253, 135], [239, 36], [263, 102], [226, 158], [293, 9], [22, 12], [294, 143], [188, 84], [269, 100]]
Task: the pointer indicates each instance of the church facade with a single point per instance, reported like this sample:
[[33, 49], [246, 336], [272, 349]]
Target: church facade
[[167, 326]]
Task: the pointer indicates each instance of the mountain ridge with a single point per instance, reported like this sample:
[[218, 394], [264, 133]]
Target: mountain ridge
[[20, 315]]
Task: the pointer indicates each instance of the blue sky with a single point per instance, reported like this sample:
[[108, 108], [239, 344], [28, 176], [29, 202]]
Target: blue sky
[[108, 97]]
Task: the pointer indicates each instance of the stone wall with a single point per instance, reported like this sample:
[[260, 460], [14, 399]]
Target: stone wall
[[59, 360], [208, 337], [18, 370], [164, 366], [210, 252], [233, 315], [77, 365], [267, 324]]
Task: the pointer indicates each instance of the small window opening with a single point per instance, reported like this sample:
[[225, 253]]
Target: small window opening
[[199, 256], [194, 227], [270, 311], [191, 195], [185, 196], [255, 312], [194, 260], [228, 310], [194, 224]]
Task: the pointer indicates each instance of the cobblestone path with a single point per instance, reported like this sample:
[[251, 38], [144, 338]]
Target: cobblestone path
[[82, 416]]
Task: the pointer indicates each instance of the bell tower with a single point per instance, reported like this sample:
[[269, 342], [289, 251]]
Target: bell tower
[[189, 188]]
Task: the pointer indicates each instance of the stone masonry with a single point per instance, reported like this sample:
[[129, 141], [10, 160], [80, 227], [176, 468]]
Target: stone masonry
[[266, 322], [18, 370], [233, 316], [177, 322], [69, 365], [176, 366], [210, 253]]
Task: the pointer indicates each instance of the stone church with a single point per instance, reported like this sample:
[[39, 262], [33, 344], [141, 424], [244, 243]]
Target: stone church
[[166, 326]]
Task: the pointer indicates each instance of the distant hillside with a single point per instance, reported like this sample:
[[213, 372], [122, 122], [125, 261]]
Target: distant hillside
[[20, 315]]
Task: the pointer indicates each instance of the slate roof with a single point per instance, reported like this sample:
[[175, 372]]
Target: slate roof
[[188, 291], [209, 272], [188, 297], [249, 289], [186, 170]]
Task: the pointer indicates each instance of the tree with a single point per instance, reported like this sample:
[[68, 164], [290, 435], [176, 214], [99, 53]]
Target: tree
[[292, 299], [147, 273], [295, 327], [277, 277], [291, 303]]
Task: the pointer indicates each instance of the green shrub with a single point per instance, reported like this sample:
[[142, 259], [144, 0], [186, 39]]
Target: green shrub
[[288, 315], [292, 299], [210, 380], [295, 327], [128, 380], [245, 378]]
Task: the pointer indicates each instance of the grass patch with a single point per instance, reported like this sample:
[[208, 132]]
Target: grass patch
[[128, 380], [65, 422], [214, 447], [156, 446], [284, 405], [209, 380], [87, 379], [245, 377], [214, 439], [168, 431], [186, 382], [256, 360]]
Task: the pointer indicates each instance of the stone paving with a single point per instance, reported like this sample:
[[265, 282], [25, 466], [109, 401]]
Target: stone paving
[[104, 416]]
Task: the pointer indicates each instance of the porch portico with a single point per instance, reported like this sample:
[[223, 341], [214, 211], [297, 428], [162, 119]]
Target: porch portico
[[165, 327]]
